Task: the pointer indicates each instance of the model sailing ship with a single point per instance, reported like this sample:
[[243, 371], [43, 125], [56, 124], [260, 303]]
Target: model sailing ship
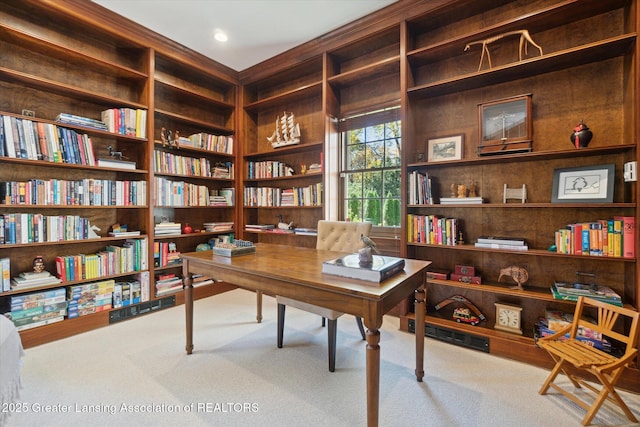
[[287, 131]]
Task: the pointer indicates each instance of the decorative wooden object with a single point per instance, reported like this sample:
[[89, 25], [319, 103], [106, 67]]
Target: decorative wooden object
[[505, 125], [524, 38], [515, 193], [518, 274]]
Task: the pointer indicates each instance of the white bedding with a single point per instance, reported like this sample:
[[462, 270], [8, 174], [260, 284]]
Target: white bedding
[[11, 353]]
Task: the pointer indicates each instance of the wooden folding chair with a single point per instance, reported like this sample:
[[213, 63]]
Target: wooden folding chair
[[572, 354]]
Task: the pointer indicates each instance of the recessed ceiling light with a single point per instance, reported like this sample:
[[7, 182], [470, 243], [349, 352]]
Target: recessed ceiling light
[[220, 35]]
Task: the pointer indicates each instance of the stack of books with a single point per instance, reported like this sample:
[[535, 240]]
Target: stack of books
[[306, 231], [460, 200], [572, 291], [259, 227], [168, 284], [218, 226], [509, 243], [38, 309], [167, 228], [81, 121], [32, 279]]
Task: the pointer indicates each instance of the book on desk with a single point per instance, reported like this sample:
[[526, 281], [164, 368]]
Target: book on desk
[[349, 266]]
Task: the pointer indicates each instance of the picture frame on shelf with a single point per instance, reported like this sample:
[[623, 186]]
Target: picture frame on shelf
[[445, 148], [584, 184], [505, 126]]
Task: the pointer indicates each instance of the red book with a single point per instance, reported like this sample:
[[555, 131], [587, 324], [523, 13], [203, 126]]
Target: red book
[[628, 236]]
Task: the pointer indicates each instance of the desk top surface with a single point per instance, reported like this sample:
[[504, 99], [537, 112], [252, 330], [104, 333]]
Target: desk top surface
[[302, 266]]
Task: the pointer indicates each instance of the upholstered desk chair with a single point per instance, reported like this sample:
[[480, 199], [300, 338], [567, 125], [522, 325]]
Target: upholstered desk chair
[[334, 236]]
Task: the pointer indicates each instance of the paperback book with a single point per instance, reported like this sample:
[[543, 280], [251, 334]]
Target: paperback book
[[349, 266]]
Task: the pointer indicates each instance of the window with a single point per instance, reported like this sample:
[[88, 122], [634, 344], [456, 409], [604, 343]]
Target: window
[[370, 168]]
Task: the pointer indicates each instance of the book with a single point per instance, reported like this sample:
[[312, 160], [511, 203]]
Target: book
[[5, 269], [119, 164], [571, 293], [460, 200], [502, 240], [628, 236], [502, 246], [124, 233], [382, 267]]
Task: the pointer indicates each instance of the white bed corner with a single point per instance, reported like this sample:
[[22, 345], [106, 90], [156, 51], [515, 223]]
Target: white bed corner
[[11, 353]]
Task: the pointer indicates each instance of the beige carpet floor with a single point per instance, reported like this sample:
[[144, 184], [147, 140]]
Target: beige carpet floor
[[136, 373]]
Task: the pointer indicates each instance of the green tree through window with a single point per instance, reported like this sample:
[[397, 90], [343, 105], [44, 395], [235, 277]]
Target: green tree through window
[[370, 169]]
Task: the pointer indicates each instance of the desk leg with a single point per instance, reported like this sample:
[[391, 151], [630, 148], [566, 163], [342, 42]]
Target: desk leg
[[188, 308], [259, 306], [419, 306], [373, 376]]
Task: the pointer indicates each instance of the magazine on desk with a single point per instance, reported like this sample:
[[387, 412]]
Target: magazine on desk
[[382, 267]]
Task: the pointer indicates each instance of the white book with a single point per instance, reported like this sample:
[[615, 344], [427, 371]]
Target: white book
[[8, 137]]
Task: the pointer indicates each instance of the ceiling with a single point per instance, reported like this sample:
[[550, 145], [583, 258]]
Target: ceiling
[[257, 29]]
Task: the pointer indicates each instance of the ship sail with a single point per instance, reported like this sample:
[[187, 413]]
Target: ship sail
[[287, 131]]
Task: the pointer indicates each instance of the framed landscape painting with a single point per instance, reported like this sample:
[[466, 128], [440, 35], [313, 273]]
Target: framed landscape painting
[[445, 149]]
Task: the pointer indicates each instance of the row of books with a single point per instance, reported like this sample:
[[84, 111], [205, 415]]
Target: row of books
[[572, 291], [614, 237], [83, 192], [38, 308], [268, 169], [507, 243], [126, 121], [128, 258], [24, 228], [132, 291], [554, 320], [207, 141], [165, 253], [432, 229], [166, 162], [420, 188], [296, 196], [22, 138], [180, 193]]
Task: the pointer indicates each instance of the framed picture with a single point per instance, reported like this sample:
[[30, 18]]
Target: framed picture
[[505, 125], [586, 184], [444, 149]]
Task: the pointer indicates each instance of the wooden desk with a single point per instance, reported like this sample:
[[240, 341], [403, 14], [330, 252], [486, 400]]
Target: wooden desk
[[297, 273]]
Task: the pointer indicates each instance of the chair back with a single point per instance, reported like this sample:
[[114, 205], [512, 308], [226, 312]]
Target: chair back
[[341, 236], [608, 316]]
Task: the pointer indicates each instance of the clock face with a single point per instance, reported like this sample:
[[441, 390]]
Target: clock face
[[508, 318]]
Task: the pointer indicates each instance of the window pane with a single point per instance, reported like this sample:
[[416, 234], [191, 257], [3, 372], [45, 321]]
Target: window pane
[[355, 157], [354, 185], [372, 184], [392, 183], [353, 210], [392, 153], [375, 153]]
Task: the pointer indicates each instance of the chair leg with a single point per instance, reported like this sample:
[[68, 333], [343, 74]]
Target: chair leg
[[281, 309], [552, 376], [332, 344], [361, 327]]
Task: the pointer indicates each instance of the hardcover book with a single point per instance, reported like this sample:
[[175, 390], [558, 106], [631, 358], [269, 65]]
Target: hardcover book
[[382, 267]]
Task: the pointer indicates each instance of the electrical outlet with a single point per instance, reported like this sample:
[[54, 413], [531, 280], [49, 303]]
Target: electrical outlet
[[630, 172]]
